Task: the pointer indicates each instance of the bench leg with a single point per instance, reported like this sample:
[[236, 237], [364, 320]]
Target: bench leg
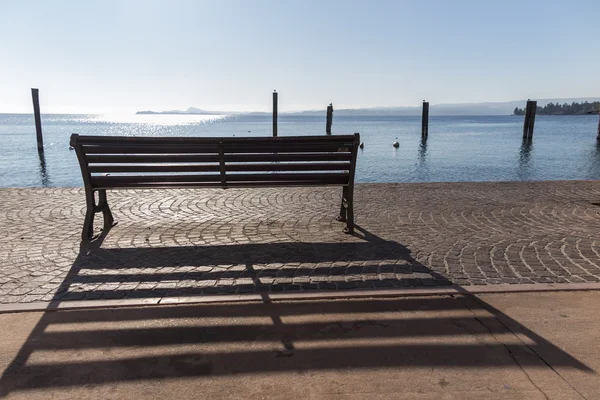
[[350, 213], [88, 223], [343, 213], [103, 205]]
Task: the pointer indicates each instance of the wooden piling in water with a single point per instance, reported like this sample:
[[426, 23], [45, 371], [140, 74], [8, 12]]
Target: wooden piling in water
[[274, 113], [329, 119], [598, 136], [38, 119], [529, 121], [425, 120]]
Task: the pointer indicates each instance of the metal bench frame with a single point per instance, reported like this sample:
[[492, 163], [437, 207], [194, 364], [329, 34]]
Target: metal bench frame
[[123, 162]]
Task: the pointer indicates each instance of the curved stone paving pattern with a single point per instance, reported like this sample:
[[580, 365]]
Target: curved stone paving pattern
[[195, 242]]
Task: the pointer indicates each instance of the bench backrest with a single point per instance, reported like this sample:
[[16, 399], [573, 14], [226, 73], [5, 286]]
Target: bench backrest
[[145, 162]]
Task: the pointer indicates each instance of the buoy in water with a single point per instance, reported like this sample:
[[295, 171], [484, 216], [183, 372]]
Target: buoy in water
[[396, 144], [71, 148], [362, 145]]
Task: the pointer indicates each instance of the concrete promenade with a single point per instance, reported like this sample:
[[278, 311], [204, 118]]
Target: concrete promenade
[[503, 346]]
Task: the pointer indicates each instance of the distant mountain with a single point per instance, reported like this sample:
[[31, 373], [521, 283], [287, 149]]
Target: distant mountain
[[486, 108]]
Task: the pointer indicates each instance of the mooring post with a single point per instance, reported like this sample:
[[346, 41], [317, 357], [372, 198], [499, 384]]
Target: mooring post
[[329, 119], [526, 121], [529, 122], [274, 113], [38, 120], [598, 136], [425, 120], [532, 118]]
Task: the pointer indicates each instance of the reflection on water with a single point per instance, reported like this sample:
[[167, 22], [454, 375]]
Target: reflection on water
[[154, 119], [422, 167], [423, 152], [594, 162], [524, 168], [43, 172]]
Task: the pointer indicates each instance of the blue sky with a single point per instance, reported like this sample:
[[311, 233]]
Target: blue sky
[[103, 56]]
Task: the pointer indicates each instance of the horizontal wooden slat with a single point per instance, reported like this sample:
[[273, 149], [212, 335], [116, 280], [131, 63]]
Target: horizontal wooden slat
[[307, 176], [123, 181], [321, 182], [158, 185], [158, 158], [153, 168], [289, 167], [211, 149], [191, 158], [307, 157], [215, 167], [148, 149], [86, 140], [289, 148], [284, 150]]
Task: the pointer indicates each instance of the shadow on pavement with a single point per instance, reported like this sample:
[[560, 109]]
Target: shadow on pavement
[[99, 346], [115, 273]]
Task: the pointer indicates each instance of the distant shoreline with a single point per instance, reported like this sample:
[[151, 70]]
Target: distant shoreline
[[558, 115], [553, 115], [575, 108]]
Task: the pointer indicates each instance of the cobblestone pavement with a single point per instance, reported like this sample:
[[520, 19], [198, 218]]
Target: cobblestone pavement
[[195, 242]]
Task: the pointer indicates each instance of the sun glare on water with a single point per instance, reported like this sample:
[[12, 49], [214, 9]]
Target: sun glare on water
[[156, 119]]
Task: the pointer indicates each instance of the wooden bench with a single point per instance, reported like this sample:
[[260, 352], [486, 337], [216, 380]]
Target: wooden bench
[[118, 162]]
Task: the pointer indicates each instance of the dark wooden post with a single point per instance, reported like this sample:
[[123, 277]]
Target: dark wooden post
[[598, 136], [529, 122], [329, 119], [425, 120], [526, 121], [533, 110], [38, 120], [274, 113]]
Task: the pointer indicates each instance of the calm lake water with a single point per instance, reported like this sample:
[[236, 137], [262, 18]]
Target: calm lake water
[[479, 148]]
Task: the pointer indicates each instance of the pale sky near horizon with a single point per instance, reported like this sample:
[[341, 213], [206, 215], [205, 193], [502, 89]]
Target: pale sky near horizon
[[111, 55]]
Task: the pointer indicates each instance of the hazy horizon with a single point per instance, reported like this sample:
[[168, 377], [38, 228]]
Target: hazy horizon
[[126, 56], [445, 109]]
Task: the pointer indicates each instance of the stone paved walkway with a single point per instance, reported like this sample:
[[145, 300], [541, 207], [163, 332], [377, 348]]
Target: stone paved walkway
[[195, 242]]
